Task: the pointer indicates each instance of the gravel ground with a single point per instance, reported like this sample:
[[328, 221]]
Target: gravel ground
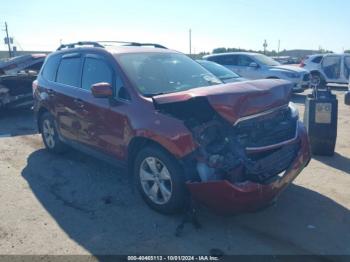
[[74, 204]]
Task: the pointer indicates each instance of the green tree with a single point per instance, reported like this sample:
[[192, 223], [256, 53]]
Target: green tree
[[219, 50]]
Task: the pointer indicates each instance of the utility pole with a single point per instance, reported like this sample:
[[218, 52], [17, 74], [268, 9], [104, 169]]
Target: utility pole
[[265, 46], [8, 40], [190, 39]]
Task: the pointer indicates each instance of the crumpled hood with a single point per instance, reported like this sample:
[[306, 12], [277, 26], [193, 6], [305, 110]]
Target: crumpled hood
[[290, 68], [235, 100]]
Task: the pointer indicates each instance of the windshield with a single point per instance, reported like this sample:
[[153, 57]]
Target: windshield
[[265, 60], [218, 70], [161, 73]]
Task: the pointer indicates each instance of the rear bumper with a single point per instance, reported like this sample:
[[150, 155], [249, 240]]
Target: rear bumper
[[224, 197]]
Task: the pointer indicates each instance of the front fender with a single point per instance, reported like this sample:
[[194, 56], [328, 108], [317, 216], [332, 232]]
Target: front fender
[[179, 145]]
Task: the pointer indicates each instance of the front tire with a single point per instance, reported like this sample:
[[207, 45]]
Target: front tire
[[49, 134], [159, 179]]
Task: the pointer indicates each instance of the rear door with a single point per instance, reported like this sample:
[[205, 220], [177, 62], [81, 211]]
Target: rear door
[[346, 68], [229, 61], [331, 66], [65, 93]]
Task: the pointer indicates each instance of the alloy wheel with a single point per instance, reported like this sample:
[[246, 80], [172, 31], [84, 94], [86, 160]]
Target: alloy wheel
[[155, 180], [49, 133]]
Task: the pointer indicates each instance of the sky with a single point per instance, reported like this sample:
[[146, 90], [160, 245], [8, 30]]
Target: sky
[[298, 24]]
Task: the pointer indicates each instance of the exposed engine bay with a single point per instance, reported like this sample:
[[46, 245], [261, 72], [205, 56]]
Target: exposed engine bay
[[252, 149]]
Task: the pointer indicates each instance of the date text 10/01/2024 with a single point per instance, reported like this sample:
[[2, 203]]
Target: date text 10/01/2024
[[172, 258]]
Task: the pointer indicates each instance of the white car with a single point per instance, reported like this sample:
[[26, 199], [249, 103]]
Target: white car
[[258, 66], [312, 62], [332, 68]]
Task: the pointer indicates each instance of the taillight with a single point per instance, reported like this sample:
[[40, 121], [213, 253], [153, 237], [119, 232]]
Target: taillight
[[35, 85]]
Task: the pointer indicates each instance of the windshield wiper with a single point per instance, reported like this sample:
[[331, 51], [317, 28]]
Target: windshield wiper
[[155, 94]]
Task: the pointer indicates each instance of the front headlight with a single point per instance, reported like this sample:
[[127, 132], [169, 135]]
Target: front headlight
[[293, 110], [291, 74]]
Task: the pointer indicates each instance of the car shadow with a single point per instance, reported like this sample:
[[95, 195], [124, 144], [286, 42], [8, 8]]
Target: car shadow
[[94, 204], [16, 122], [337, 161]]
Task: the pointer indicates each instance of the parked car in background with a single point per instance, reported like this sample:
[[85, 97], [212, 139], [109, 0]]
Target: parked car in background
[[258, 66], [330, 68], [224, 74], [311, 62], [286, 60], [16, 78], [173, 124], [347, 95]]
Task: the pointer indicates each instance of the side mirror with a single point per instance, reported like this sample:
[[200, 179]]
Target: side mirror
[[102, 90], [254, 65], [347, 98]]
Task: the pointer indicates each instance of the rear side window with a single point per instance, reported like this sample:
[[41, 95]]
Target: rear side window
[[317, 59], [96, 71], [50, 68], [69, 71], [225, 59]]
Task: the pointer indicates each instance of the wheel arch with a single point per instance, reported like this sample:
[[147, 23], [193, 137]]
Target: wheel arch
[[139, 142], [39, 114]]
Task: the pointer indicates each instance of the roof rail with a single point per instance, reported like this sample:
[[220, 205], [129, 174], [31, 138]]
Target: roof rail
[[83, 43], [103, 44], [133, 44]]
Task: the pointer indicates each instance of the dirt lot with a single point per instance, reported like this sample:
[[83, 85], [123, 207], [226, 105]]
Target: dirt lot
[[74, 204]]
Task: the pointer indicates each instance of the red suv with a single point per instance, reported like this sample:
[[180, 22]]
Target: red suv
[[177, 128]]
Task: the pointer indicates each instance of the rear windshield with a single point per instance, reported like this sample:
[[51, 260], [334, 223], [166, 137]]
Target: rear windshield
[[161, 73]]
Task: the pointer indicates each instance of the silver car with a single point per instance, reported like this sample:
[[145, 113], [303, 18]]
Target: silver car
[[258, 66]]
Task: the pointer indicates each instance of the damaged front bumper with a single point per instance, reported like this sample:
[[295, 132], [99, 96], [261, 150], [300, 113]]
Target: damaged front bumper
[[226, 197]]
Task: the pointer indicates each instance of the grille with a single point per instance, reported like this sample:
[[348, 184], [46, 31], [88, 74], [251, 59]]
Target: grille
[[266, 130], [306, 77], [271, 165]]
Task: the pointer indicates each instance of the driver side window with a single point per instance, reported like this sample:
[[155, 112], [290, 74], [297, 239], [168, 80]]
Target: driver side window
[[95, 71]]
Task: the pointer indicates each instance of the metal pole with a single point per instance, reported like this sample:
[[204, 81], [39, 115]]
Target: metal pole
[[8, 40], [190, 41], [279, 45]]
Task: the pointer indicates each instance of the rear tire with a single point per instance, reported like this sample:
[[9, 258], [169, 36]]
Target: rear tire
[[159, 179], [49, 134]]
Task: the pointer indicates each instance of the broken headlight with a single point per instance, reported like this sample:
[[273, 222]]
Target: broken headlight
[[294, 110]]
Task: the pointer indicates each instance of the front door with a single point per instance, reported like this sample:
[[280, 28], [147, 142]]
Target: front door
[[247, 71], [101, 120]]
